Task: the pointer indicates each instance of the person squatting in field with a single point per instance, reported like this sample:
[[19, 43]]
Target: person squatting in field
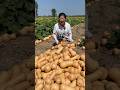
[[62, 29]]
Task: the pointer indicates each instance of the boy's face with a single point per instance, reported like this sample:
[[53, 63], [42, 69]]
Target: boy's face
[[62, 20]]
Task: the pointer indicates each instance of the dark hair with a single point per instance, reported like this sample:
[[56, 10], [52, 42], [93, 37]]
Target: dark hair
[[62, 14]]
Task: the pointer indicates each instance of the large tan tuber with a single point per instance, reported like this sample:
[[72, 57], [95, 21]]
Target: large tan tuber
[[66, 87], [72, 52], [55, 86], [65, 64]]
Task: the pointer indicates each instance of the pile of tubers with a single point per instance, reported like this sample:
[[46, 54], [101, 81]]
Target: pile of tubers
[[60, 68], [101, 78], [44, 39]]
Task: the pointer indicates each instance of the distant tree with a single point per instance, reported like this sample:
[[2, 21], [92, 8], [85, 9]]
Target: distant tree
[[54, 12], [36, 9]]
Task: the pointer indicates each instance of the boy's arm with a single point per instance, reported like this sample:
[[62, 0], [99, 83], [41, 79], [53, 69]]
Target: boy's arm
[[55, 35], [70, 34]]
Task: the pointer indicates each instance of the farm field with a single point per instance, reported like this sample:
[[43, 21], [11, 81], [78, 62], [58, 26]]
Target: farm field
[[44, 25]]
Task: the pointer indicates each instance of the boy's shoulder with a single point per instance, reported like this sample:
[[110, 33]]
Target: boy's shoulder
[[67, 24], [56, 25]]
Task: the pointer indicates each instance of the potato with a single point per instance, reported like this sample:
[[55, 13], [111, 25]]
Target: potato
[[72, 77], [21, 86], [114, 74], [97, 85], [39, 87], [72, 52], [47, 87], [104, 41], [91, 65], [4, 77], [112, 86], [15, 80], [46, 68], [55, 86], [88, 85], [98, 74], [73, 84], [59, 50], [16, 70], [5, 37], [116, 51], [65, 64], [12, 36], [66, 56], [65, 87], [82, 56], [90, 45], [80, 82]]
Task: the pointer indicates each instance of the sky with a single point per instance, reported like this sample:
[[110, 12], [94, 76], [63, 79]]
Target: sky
[[70, 7]]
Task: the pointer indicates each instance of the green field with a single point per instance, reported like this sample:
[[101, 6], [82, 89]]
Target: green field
[[44, 25]]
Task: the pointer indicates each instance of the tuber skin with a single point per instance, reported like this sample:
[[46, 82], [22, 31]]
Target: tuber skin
[[80, 82], [72, 52], [66, 64], [73, 84], [55, 86], [65, 87], [46, 68]]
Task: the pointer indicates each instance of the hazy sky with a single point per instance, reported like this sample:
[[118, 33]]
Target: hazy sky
[[70, 7]]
